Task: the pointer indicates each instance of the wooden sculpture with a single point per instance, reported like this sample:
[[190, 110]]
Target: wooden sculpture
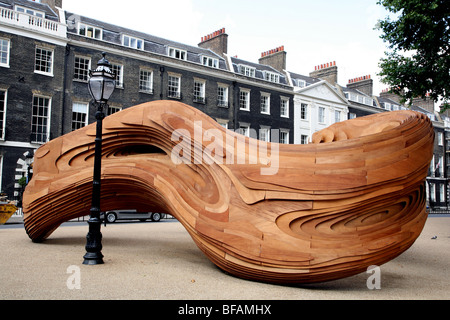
[[353, 198]]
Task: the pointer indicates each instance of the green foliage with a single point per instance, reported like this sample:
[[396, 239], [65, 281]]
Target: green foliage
[[418, 62], [23, 181]]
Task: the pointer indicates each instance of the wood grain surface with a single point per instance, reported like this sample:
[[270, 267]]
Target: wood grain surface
[[353, 198]]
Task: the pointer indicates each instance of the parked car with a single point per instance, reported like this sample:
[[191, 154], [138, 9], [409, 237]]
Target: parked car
[[114, 215]]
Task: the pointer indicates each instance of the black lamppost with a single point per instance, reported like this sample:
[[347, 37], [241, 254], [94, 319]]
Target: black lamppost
[[101, 86]]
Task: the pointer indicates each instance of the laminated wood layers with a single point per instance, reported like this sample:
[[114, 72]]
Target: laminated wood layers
[[353, 198]]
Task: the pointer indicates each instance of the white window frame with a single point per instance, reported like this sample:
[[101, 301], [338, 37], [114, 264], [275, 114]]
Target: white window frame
[[264, 134], [47, 73], [304, 111], [177, 53], [37, 116], [304, 139], [440, 138], [284, 107], [222, 95], [174, 86], [146, 81], [351, 115], [132, 42], [321, 118], [244, 99], [442, 193], [7, 51], [80, 108], [432, 192], [84, 72], [360, 99], [199, 90], [118, 70], [265, 103], [112, 109], [432, 167], [272, 77], [210, 62], [31, 12], [86, 28], [337, 116], [301, 83], [285, 139], [5, 103], [247, 70], [244, 129], [368, 101]]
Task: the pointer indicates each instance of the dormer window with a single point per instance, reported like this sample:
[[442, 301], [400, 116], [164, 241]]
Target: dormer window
[[301, 83], [132, 42], [247, 71], [368, 101], [177, 53], [210, 62], [90, 31], [31, 12], [361, 99], [272, 77]]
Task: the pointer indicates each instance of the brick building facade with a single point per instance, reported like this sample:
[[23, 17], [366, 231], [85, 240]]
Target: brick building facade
[[46, 54]]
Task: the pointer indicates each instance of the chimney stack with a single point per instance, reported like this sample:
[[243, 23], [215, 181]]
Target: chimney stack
[[216, 42], [276, 58], [326, 71], [54, 4], [363, 84], [426, 102], [388, 94]]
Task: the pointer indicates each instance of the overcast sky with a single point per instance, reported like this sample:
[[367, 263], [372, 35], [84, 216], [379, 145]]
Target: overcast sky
[[312, 32]]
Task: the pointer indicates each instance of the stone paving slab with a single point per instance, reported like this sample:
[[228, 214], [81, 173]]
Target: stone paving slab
[[159, 261]]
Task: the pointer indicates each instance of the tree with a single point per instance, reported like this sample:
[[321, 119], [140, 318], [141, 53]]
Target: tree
[[418, 63]]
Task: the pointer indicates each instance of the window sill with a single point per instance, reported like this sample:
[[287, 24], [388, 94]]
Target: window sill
[[200, 100], [176, 96], [146, 91], [44, 73]]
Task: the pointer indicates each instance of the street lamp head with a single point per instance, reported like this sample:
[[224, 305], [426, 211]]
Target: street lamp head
[[102, 81]]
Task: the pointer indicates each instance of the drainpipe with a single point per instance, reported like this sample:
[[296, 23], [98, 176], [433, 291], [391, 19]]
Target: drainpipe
[[235, 109], [161, 73], [63, 108]]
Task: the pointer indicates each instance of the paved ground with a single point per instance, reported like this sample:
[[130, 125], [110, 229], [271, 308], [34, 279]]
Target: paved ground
[[160, 261]]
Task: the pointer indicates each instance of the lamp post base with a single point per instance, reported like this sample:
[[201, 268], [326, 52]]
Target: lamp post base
[[93, 258], [93, 254]]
